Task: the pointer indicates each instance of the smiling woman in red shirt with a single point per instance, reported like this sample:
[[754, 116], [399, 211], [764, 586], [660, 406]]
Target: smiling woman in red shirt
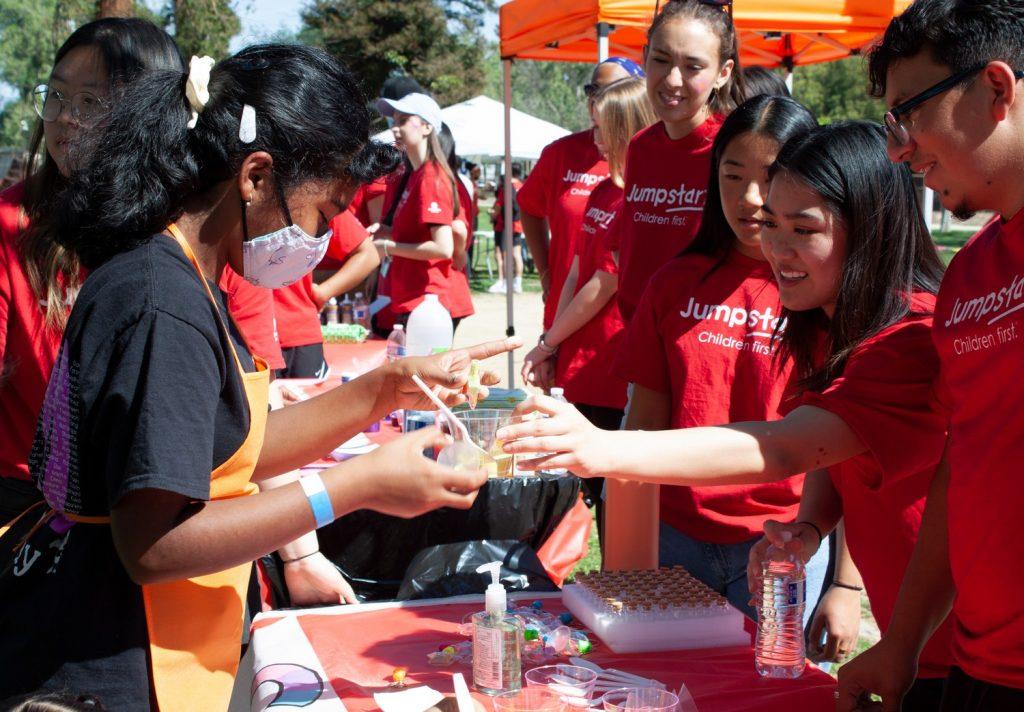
[[421, 244], [38, 279], [857, 273], [693, 81]]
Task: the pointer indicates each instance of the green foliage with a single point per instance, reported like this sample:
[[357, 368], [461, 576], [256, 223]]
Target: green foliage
[[552, 91], [437, 43], [203, 27], [31, 31], [837, 90]]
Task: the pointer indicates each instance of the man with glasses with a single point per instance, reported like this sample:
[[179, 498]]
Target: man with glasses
[[554, 196], [951, 72]]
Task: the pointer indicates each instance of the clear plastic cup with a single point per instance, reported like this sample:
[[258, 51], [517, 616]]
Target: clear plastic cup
[[640, 699], [529, 699], [482, 425], [574, 683]]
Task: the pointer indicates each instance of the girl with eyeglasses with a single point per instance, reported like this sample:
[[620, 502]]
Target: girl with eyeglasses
[[39, 277]]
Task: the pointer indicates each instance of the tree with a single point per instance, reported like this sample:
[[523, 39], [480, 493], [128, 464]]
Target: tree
[[114, 8], [203, 27], [438, 43], [837, 90], [552, 91]]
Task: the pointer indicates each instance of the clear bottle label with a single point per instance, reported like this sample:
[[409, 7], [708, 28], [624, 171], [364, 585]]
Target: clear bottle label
[[487, 662]]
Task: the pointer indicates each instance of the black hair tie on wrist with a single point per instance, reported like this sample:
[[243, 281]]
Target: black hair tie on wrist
[[840, 584], [817, 531]]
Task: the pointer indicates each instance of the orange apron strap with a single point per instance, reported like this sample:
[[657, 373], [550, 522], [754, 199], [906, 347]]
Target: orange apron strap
[[195, 625], [187, 249]]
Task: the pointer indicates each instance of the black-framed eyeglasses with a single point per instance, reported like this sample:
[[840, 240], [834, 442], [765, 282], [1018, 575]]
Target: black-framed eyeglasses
[[894, 117], [86, 108]]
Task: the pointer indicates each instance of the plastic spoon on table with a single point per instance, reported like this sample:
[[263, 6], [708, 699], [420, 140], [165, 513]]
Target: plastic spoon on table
[[463, 453], [611, 674]]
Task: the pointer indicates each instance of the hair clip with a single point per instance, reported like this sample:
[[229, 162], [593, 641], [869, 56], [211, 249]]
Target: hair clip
[[247, 127]]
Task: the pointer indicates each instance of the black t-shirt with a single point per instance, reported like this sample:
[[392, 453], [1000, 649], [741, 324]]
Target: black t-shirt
[[145, 394]]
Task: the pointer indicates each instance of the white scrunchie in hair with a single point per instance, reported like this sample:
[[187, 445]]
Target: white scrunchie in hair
[[197, 88]]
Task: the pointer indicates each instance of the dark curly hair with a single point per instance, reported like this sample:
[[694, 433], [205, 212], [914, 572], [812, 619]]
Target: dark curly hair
[[889, 252], [310, 115], [957, 33]]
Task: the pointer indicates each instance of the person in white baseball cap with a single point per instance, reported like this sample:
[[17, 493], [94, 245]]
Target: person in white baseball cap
[[417, 254]]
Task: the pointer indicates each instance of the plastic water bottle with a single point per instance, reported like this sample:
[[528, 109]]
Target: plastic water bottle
[[396, 343], [779, 645], [559, 395], [430, 328], [331, 312], [345, 310], [361, 311]]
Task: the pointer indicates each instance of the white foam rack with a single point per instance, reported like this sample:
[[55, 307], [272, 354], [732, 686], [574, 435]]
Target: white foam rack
[[649, 611]]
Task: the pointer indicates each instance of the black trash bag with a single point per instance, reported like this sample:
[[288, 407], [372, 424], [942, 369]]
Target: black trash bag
[[450, 569], [374, 550]]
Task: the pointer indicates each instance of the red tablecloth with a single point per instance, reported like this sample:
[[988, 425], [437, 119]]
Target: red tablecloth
[[359, 651]]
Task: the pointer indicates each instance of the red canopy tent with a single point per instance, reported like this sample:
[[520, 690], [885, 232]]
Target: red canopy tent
[[772, 33]]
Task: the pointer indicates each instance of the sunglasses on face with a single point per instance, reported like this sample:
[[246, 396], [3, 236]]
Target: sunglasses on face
[[895, 116]]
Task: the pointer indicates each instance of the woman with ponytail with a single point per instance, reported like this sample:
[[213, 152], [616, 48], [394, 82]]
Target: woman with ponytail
[[421, 245], [38, 277], [154, 433], [693, 81]]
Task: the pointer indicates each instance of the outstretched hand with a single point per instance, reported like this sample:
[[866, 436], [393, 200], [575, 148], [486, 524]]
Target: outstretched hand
[[448, 373], [563, 439]]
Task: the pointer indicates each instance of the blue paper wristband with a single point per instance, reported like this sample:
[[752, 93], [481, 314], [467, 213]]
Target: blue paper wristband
[[319, 501]]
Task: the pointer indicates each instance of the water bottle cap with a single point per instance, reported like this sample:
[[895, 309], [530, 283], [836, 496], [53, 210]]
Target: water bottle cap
[[332, 301], [555, 392], [399, 327], [430, 297], [359, 295]]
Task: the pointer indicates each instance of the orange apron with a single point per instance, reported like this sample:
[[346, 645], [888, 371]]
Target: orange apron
[[195, 625]]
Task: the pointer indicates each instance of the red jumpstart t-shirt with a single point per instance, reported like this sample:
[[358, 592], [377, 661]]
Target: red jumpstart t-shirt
[[252, 308], [426, 202], [706, 339], [886, 395], [558, 189], [585, 359], [28, 348], [979, 336], [666, 184]]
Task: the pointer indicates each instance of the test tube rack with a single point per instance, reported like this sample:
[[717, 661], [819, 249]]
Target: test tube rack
[[653, 610]]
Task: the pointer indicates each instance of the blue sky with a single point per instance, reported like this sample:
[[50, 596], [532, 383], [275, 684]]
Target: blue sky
[[263, 18]]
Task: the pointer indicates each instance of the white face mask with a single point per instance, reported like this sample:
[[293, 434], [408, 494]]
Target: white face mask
[[282, 257]]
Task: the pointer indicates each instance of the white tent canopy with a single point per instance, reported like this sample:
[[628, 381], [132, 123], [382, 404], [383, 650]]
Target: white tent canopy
[[478, 127]]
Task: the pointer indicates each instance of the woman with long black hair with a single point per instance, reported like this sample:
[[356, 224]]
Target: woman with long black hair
[[857, 274], [39, 277], [154, 432]]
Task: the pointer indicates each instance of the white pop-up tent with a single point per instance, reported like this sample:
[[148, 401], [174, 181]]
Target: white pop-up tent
[[478, 127]]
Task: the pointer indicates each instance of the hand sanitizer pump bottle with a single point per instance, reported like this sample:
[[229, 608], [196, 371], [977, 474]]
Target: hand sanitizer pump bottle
[[497, 640]]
